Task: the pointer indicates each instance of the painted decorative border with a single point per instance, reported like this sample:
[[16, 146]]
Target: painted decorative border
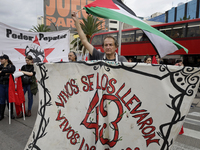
[[179, 78]]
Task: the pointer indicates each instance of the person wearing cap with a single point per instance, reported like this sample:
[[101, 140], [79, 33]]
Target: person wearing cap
[[6, 68]]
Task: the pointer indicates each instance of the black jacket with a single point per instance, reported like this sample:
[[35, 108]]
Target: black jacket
[[5, 72]]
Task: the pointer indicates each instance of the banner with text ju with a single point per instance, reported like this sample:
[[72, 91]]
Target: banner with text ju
[[98, 105], [42, 46]]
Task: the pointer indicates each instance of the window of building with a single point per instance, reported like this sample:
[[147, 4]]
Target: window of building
[[114, 29], [113, 22]]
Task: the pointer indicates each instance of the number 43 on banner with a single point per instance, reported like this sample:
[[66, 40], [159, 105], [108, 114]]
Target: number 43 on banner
[[95, 125]]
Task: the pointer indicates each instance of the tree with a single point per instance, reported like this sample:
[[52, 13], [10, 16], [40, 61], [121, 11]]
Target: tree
[[40, 28], [89, 26], [185, 18]]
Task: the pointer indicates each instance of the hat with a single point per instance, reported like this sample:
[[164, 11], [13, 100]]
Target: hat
[[4, 57]]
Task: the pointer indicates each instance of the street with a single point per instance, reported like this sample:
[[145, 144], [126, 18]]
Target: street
[[15, 135], [191, 138]]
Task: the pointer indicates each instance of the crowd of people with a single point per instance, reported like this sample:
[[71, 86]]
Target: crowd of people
[[7, 68], [110, 45]]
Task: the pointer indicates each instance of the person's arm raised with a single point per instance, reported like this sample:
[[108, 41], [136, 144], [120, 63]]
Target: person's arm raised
[[81, 34]]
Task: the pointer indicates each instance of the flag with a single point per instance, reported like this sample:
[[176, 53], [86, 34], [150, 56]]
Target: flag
[[20, 91], [115, 9], [19, 97], [154, 61], [11, 90]]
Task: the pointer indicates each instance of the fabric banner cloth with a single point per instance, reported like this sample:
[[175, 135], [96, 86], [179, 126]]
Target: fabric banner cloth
[[42, 46], [108, 106]]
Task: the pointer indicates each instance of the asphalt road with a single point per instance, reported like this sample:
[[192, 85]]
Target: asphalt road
[[15, 135]]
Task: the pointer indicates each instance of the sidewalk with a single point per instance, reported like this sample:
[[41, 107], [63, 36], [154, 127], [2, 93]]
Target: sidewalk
[[16, 135]]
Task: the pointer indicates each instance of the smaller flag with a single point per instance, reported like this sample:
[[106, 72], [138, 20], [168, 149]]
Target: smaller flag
[[19, 96], [154, 61], [11, 90]]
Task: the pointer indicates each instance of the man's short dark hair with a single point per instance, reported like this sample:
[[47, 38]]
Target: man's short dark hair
[[74, 54], [112, 37], [178, 61]]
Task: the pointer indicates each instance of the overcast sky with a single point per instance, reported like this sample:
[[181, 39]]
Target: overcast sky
[[23, 14]]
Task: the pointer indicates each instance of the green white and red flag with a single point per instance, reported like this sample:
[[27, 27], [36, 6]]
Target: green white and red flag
[[115, 9]]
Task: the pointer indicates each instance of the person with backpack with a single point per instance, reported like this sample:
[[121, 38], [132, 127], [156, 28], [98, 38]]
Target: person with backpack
[[28, 71]]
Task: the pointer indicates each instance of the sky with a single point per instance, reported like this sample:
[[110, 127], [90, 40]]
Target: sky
[[22, 14]]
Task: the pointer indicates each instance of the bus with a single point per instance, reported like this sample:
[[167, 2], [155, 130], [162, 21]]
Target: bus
[[135, 44]]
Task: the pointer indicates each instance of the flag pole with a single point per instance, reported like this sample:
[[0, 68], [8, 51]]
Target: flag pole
[[79, 10], [77, 44], [9, 111], [23, 111], [120, 37]]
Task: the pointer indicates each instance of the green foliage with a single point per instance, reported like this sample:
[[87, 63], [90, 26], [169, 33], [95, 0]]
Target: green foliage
[[40, 28], [89, 26], [185, 18]]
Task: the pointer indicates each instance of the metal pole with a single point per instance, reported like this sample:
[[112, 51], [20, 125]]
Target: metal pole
[[9, 114], [77, 44], [57, 27], [120, 37], [52, 23]]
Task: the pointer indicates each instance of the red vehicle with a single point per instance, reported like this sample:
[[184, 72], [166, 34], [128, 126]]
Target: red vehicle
[[134, 42]]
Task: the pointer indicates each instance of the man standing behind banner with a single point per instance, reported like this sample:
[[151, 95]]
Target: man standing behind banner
[[72, 56], [110, 45]]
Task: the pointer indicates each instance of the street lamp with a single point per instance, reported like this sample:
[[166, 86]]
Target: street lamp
[[52, 23]]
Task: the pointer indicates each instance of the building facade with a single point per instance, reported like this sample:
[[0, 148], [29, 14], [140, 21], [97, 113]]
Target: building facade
[[189, 10]]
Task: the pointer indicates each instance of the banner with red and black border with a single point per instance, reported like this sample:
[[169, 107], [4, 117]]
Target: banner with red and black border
[[107, 105]]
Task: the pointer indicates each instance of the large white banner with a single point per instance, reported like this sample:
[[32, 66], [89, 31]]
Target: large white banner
[[111, 106], [42, 46]]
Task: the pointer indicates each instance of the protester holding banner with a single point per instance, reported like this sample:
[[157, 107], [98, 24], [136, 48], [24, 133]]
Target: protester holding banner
[[147, 59], [28, 71], [179, 62], [6, 68], [110, 45], [72, 56]]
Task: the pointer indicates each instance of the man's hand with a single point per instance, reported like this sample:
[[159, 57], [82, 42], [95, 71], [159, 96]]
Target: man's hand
[[74, 16], [81, 34]]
